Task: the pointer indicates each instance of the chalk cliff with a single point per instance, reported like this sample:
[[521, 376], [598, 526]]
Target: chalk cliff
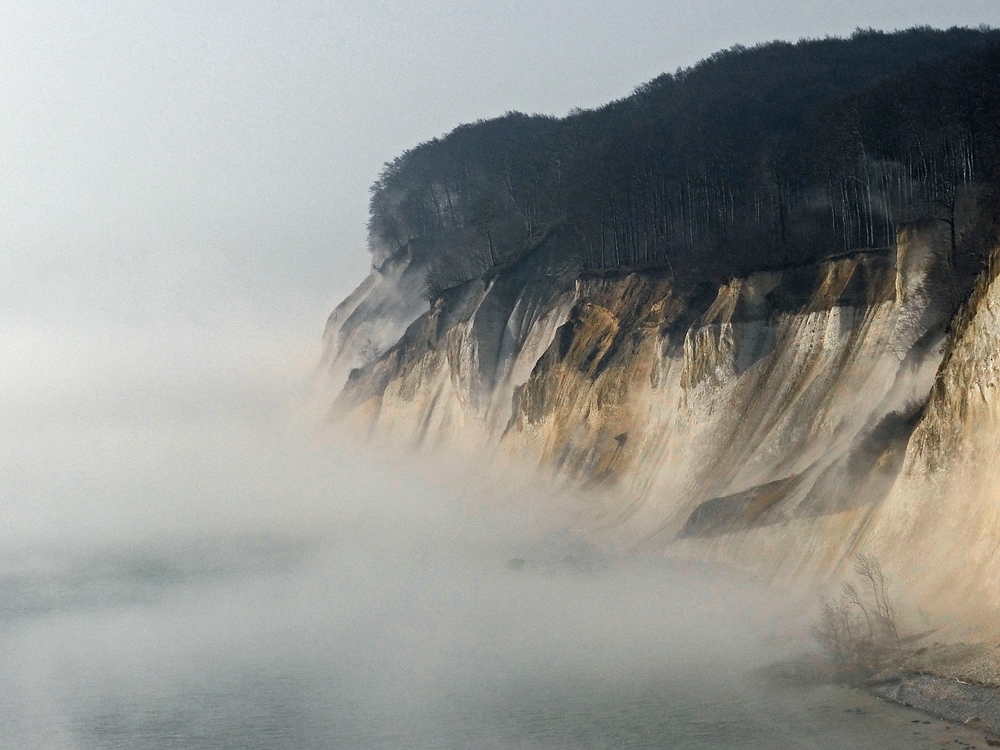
[[730, 317], [778, 422]]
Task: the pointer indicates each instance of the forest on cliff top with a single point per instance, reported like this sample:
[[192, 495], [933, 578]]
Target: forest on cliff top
[[753, 158]]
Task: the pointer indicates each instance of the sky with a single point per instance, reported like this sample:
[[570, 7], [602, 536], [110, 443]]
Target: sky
[[184, 185], [179, 159]]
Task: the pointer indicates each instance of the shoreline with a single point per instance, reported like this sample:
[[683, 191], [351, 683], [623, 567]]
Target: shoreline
[[966, 704], [957, 683]]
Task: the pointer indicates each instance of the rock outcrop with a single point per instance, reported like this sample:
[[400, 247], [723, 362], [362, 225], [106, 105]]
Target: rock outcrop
[[779, 422]]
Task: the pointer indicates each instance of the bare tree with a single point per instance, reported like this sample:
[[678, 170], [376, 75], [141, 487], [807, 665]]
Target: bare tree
[[868, 569], [858, 631], [462, 264]]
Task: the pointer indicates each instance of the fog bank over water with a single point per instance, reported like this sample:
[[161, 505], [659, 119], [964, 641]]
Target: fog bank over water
[[187, 561], [233, 583]]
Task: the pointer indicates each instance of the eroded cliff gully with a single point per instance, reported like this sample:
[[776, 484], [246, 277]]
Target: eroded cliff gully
[[778, 423]]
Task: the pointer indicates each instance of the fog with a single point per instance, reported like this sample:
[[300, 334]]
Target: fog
[[189, 557]]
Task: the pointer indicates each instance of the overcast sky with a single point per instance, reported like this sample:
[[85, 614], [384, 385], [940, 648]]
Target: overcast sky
[[170, 158]]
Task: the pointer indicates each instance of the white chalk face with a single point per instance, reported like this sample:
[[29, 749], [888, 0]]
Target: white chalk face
[[182, 201]]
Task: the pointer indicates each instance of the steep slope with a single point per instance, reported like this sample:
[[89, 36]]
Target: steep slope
[[939, 528], [714, 313], [374, 315], [758, 422]]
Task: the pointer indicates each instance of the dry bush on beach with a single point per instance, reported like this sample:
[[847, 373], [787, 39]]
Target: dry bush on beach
[[858, 630]]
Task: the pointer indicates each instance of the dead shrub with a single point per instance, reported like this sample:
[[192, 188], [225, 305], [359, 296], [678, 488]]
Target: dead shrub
[[857, 631]]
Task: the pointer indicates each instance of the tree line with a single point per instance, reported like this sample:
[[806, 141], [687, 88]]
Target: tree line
[[753, 158]]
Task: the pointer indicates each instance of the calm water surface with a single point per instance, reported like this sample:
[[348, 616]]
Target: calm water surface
[[367, 639]]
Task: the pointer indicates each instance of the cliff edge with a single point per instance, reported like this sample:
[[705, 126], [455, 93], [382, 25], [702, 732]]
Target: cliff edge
[[748, 314], [777, 422]]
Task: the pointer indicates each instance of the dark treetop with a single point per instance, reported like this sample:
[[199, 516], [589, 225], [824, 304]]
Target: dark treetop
[[753, 158]]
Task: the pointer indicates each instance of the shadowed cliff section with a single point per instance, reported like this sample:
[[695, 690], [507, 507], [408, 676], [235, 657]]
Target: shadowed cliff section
[[862, 476]]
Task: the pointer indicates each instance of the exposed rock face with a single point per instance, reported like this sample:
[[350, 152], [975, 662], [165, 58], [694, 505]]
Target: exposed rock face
[[940, 525], [374, 315], [765, 422]]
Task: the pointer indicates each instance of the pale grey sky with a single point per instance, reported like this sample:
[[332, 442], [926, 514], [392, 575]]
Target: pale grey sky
[[164, 158]]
